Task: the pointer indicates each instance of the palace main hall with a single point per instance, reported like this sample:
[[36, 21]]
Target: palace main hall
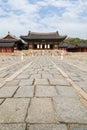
[[40, 41]]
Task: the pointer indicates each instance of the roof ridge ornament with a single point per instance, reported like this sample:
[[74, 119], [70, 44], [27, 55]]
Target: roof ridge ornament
[[8, 33], [29, 33]]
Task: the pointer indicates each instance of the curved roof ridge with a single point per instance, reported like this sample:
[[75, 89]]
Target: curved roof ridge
[[42, 33], [10, 35]]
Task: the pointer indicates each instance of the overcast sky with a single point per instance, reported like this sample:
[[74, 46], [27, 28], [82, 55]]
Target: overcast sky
[[69, 17]]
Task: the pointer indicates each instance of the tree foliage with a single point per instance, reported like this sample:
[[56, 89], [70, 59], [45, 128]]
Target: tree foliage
[[75, 40]]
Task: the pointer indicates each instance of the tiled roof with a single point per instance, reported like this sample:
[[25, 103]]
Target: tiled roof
[[83, 45], [43, 36], [63, 45], [68, 45], [10, 36], [7, 44], [8, 40]]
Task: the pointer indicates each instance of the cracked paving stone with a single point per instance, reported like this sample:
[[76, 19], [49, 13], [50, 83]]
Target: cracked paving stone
[[48, 127], [12, 126], [70, 110], [46, 91], [25, 91], [41, 111], [7, 91], [13, 110]]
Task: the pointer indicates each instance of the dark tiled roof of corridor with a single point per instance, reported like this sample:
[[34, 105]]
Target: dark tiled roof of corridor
[[7, 44], [68, 45], [8, 40]]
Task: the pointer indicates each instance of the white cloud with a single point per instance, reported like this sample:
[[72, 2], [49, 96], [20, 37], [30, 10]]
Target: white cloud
[[72, 21]]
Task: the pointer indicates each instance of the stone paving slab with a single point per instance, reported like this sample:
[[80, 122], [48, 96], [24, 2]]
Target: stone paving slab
[[75, 78], [13, 110], [33, 72], [25, 91], [3, 75], [1, 100], [2, 83], [47, 76], [26, 82], [12, 126], [7, 91], [12, 83], [35, 76], [41, 81], [48, 127], [58, 76], [23, 76], [41, 111], [46, 91], [78, 127], [17, 70], [70, 110], [67, 92], [83, 85], [60, 81]]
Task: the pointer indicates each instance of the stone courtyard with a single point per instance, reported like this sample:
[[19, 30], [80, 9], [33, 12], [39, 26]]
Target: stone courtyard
[[43, 92]]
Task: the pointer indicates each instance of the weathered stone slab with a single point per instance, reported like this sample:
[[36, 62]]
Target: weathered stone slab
[[67, 92], [7, 91], [2, 83], [33, 72], [47, 76], [75, 78], [1, 100], [13, 110], [18, 69], [23, 76], [12, 126], [41, 81], [83, 85], [70, 110], [41, 111], [58, 76], [26, 82], [78, 127], [25, 91], [45, 91], [12, 83], [60, 81], [35, 76], [48, 127], [3, 75]]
